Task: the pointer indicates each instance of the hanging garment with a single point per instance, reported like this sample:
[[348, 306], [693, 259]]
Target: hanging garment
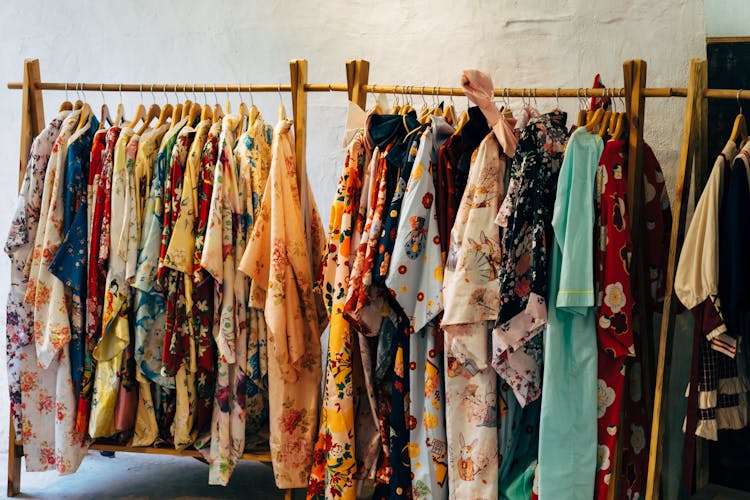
[[53, 424], [525, 214], [69, 263], [636, 425], [253, 156], [415, 280], [470, 292], [614, 304], [24, 377], [567, 434], [697, 287], [145, 430], [98, 189], [116, 311], [230, 327], [179, 258], [332, 473], [278, 261]]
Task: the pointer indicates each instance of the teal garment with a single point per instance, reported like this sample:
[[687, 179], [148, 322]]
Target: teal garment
[[568, 434]]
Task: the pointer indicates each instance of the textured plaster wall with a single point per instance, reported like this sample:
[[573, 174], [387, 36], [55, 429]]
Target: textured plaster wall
[[546, 43]]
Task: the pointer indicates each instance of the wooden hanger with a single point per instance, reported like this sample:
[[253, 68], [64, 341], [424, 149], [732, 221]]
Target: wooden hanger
[[206, 112], [195, 111], [462, 120], [85, 116], [176, 115], [621, 124], [739, 129], [153, 112], [66, 104], [166, 114], [594, 120], [140, 114], [604, 127], [186, 107]]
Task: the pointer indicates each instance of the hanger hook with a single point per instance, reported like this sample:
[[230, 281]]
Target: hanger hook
[[281, 99], [557, 97], [141, 92], [83, 94], [195, 96], [164, 90], [120, 90], [101, 91], [216, 98], [250, 91], [739, 103], [153, 96], [66, 92]]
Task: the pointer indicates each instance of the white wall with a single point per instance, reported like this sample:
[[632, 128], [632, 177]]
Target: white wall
[[546, 43]]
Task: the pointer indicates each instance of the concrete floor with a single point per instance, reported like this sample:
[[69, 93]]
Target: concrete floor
[[137, 476]]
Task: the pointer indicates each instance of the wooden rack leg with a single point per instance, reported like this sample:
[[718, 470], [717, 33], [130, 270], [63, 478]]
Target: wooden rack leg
[[298, 76], [357, 74], [32, 123], [696, 88]]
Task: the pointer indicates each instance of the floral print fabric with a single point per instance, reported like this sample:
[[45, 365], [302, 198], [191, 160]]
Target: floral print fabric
[[278, 260], [18, 246], [525, 215]]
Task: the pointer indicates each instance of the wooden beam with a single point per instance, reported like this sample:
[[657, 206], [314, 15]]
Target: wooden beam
[[357, 75], [32, 123], [727, 39], [696, 88], [298, 76]]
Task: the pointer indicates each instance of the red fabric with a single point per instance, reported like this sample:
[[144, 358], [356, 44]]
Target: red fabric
[[614, 312]]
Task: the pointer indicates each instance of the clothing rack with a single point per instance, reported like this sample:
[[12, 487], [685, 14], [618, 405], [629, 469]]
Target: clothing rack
[[357, 87], [693, 162]]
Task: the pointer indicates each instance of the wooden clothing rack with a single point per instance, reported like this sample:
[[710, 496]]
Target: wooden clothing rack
[[357, 87], [693, 162]]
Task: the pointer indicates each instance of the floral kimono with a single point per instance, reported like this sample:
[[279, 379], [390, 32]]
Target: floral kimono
[[415, 279], [115, 319], [203, 296], [100, 188], [52, 422], [526, 214], [333, 462], [614, 305], [178, 258], [149, 305], [220, 254], [69, 264], [253, 156], [278, 260], [150, 308], [471, 295], [20, 349]]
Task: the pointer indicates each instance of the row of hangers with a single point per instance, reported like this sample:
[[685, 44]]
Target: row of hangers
[[166, 113], [601, 121]]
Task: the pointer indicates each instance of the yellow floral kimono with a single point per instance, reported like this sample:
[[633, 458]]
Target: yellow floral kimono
[[278, 260], [180, 258], [117, 296]]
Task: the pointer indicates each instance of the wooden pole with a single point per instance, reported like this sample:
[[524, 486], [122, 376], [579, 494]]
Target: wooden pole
[[298, 76], [357, 74], [693, 108], [32, 123]]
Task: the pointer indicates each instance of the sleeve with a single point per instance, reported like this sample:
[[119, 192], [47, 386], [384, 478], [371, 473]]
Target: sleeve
[[575, 234]]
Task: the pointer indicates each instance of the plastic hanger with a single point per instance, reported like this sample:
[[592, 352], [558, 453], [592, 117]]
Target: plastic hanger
[[66, 104], [739, 129]]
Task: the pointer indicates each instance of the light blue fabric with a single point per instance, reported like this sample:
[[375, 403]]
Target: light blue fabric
[[568, 437]]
